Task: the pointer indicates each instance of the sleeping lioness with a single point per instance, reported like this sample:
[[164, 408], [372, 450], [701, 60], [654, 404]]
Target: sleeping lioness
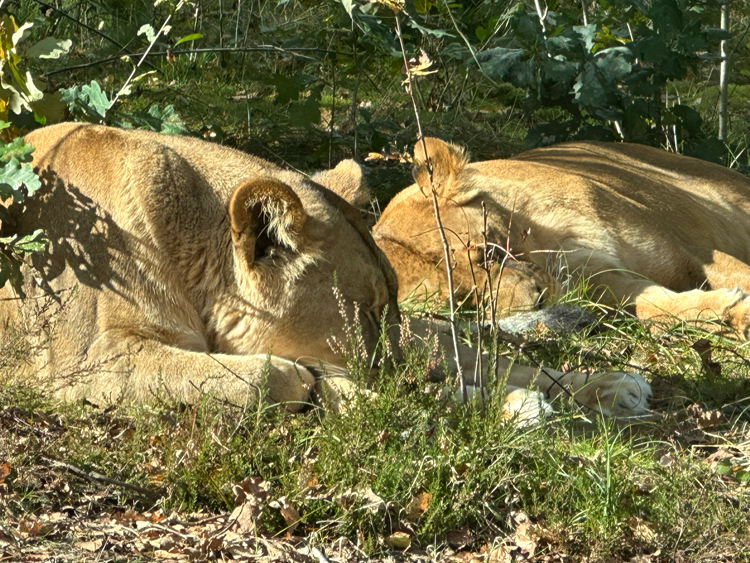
[[662, 233], [190, 267], [177, 266]]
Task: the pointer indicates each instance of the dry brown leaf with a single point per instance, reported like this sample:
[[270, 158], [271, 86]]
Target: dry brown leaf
[[703, 347], [525, 537], [34, 528], [709, 419], [290, 514], [244, 517], [460, 538], [399, 540], [499, 554], [253, 489], [641, 530], [92, 546], [418, 506]]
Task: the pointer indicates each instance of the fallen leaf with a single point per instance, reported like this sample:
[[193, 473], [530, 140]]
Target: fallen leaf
[[710, 419], [34, 528], [703, 347], [418, 506], [641, 530], [460, 538], [253, 489], [399, 540], [290, 514], [499, 554], [525, 537], [92, 546], [245, 516]]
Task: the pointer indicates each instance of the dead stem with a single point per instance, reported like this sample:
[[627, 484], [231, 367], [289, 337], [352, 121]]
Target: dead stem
[[436, 210]]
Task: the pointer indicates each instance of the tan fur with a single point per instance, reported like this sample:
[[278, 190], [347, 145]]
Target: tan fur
[[665, 234], [159, 285]]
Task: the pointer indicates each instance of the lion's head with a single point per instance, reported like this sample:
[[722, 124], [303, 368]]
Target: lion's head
[[408, 234], [304, 257]]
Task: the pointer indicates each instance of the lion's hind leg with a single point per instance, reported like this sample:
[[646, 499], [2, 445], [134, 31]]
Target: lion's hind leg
[[660, 306]]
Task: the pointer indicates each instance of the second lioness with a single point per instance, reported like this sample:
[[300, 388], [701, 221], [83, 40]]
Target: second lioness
[[665, 234]]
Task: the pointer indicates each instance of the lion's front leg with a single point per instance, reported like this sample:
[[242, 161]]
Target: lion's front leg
[[612, 394], [122, 368]]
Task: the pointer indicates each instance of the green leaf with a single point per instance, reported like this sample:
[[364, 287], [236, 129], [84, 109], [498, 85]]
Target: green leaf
[[497, 62], [614, 63], [527, 30], [349, 6], [711, 149], [50, 48], [147, 30], [97, 99], [287, 87], [690, 119], [51, 107], [13, 176], [17, 149], [588, 35], [666, 16], [22, 33], [306, 113], [34, 242], [724, 467], [426, 30], [651, 50], [589, 90], [191, 37]]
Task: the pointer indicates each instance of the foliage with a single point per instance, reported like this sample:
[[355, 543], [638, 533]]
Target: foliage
[[17, 181], [611, 76], [89, 103], [407, 461], [21, 98]]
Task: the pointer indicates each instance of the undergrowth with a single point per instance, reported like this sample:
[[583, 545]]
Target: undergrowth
[[447, 476]]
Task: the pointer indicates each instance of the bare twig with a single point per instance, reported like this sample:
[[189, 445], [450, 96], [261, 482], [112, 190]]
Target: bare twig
[[472, 50], [436, 210], [542, 14], [124, 87], [296, 52], [103, 479], [723, 74]]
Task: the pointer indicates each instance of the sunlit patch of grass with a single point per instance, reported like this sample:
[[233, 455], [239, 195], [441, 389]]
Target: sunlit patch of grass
[[592, 487]]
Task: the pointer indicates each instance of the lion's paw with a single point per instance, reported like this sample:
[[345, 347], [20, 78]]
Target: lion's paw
[[335, 393], [616, 394], [525, 408], [738, 317]]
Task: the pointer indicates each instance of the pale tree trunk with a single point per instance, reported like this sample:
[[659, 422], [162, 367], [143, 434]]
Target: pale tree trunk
[[723, 75]]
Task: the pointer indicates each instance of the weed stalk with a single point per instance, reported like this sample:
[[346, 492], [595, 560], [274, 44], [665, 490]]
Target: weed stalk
[[436, 210]]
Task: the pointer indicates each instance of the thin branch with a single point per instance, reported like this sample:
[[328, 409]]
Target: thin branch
[[436, 210], [472, 50], [124, 87], [80, 23], [103, 479], [259, 49]]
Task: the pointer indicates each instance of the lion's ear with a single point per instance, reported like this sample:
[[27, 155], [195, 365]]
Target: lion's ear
[[446, 161], [346, 180], [264, 214]]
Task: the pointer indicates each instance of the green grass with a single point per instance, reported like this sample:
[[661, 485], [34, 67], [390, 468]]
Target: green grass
[[592, 487]]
